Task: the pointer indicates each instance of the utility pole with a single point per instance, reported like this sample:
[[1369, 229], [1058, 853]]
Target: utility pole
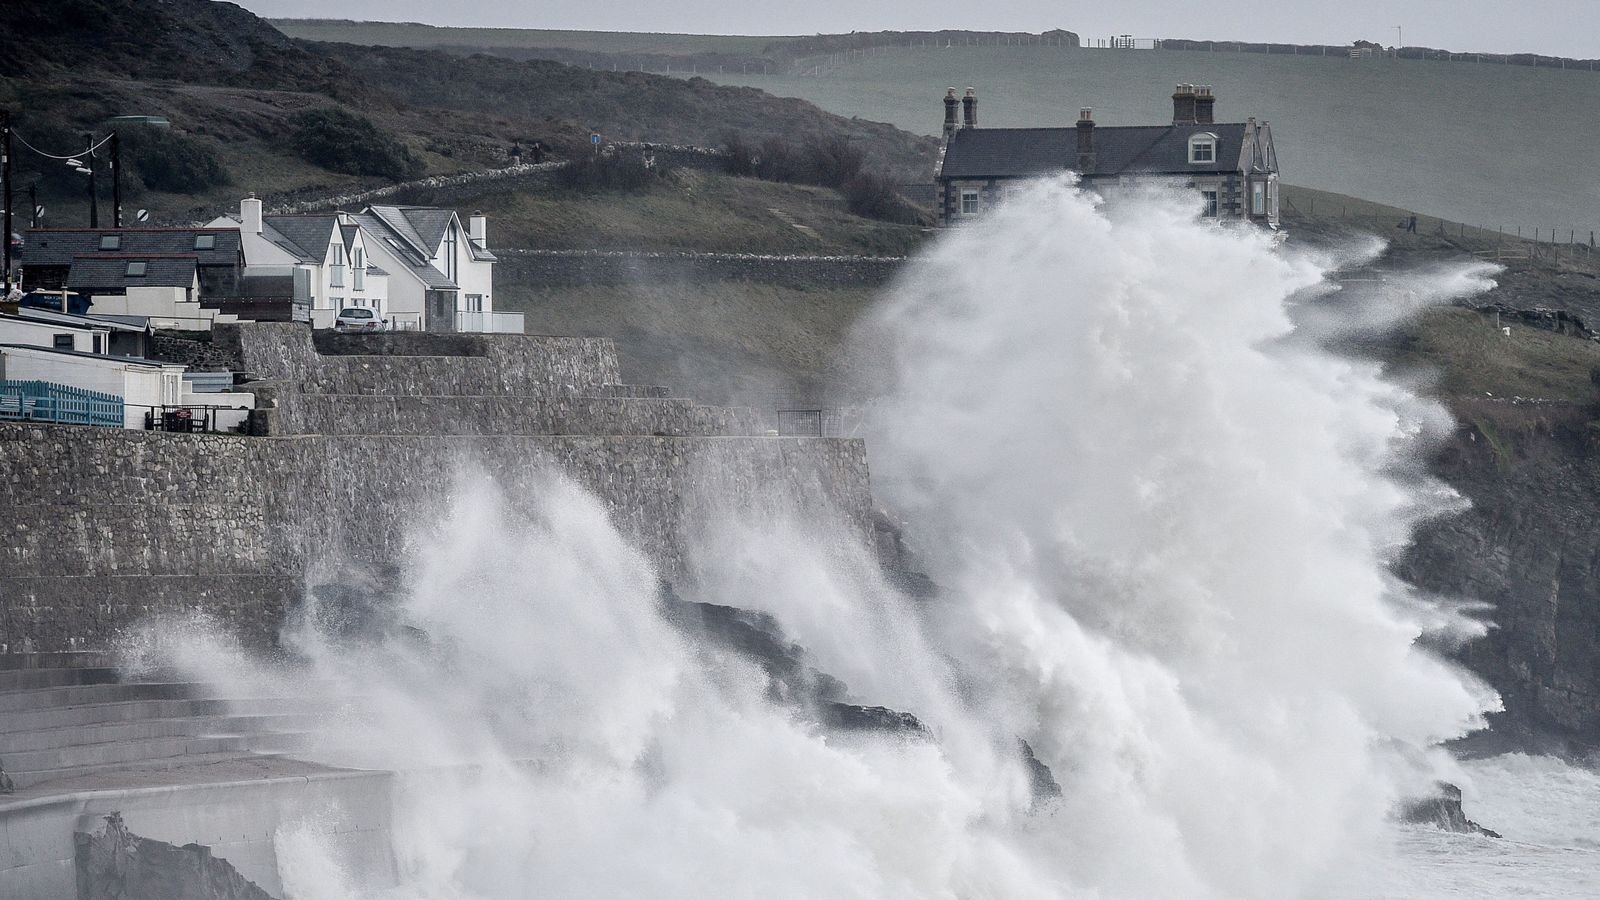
[[5, 173], [94, 201], [1399, 39], [116, 181], [33, 205]]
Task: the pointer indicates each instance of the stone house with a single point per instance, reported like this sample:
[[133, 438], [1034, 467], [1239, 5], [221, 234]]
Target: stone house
[[1232, 164]]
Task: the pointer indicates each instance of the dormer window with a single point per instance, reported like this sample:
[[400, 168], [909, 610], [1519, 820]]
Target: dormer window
[[205, 242], [1202, 149], [110, 242]]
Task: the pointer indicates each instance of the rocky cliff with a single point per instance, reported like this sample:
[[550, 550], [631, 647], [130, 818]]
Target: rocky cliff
[[1529, 548]]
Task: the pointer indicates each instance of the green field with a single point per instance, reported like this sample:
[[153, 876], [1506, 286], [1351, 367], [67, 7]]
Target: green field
[[410, 34], [1481, 143]]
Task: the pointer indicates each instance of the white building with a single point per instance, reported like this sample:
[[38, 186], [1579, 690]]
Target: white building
[[142, 385], [416, 265], [57, 335], [326, 252]]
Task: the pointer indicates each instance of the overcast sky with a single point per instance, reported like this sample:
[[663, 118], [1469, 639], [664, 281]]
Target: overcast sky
[[1559, 27]]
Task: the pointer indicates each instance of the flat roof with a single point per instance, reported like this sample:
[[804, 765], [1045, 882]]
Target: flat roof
[[98, 357]]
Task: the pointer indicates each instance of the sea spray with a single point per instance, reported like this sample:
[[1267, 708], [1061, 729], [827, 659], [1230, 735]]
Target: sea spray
[[1159, 528]]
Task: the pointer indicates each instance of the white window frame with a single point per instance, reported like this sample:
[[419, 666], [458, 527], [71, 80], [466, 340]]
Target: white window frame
[[474, 302], [1258, 198], [1206, 142], [1212, 208], [970, 202], [358, 269]]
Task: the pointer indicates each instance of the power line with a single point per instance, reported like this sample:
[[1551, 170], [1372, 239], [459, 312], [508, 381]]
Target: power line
[[103, 142]]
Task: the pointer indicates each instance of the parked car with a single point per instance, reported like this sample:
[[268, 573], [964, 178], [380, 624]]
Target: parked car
[[359, 318]]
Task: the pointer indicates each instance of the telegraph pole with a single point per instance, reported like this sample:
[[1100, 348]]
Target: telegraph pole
[[5, 173], [116, 181], [33, 205], [94, 201]]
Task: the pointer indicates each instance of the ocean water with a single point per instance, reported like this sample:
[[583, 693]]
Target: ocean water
[[1160, 512]]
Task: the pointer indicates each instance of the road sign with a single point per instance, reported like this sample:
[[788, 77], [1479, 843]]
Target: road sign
[[594, 139], [144, 215]]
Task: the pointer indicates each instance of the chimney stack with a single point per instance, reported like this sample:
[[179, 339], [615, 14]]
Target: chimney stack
[[1205, 105], [969, 109], [1085, 141], [250, 215], [952, 108], [478, 228], [1183, 105]]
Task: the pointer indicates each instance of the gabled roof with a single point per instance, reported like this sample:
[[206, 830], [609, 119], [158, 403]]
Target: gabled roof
[[348, 233], [58, 246], [480, 253], [1118, 150], [304, 237], [109, 272], [429, 222], [390, 230]]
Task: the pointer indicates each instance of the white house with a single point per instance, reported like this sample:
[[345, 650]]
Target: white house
[[416, 265], [142, 385], [57, 335], [326, 252]]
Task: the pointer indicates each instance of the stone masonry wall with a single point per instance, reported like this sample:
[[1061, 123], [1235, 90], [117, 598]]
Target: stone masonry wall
[[105, 527]]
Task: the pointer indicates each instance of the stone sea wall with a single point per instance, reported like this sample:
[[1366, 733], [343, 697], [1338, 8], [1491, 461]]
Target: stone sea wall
[[105, 527]]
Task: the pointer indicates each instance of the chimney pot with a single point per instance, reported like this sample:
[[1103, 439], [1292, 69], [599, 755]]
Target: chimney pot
[[250, 215], [951, 112], [969, 109], [1183, 105]]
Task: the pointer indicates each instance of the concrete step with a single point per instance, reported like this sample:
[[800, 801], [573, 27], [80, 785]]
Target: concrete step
[[145, 728], [64, 659], [119, 752], [29, 779], [134, 710], [86, 695], [35, 679]]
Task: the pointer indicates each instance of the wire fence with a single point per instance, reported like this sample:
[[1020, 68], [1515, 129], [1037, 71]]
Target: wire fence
[[1509, 242]]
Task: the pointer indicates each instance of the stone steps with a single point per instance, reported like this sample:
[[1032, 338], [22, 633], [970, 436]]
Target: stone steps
[[24, 780], [34, 679], [145, 728], [91, 694], [132, 710]]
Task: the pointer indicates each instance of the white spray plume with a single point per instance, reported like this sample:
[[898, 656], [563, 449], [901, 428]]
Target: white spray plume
[[1160, 528]]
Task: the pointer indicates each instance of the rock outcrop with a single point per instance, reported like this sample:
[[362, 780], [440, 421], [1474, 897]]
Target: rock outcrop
[[1443, 811], [116, 864]]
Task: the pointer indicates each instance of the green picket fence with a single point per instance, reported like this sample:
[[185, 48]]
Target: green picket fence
[[59, 404]]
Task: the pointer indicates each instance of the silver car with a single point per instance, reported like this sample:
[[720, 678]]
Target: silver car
[[359, 318]]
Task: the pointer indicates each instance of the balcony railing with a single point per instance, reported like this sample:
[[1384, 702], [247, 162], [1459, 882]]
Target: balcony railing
[[489, 322], [44, 401]]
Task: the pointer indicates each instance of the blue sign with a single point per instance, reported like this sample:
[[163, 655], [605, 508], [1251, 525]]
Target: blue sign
[[594, 138]]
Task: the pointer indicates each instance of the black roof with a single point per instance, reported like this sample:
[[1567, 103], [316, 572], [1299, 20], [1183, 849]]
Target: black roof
[[1118, 149], [306, 237], [58, 246], [109, 273]]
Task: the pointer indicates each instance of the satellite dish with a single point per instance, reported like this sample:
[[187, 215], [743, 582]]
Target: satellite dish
[[143, 215]]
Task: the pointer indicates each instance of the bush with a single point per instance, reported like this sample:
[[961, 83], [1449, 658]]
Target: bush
[[832, 163], [873, 196], [621, 171], [164, 160], [345, 142]]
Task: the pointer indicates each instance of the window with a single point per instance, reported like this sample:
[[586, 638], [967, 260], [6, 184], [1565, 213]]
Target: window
[[137, 268], [358, 269], [1258, 198], [450, 254], [99, 343], [62, 342], [110, 242], [205, 242], [474, 303], [1203, 148], [969, 203], [1210, 211]]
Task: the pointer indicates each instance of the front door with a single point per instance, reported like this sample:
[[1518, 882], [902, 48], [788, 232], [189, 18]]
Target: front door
[[441, 306]]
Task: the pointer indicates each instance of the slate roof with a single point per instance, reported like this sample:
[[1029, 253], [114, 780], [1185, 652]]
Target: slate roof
[[392, 230], [1118, 150], [108, 272], [304, 237], [47, 247]]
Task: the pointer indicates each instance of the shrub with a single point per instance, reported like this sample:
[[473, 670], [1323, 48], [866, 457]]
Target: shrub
[[873, 196], [165, 160], [831, 162], [345, 142], [621, 171]]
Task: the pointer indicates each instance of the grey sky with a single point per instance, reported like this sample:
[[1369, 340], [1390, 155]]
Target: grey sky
[[1560, 27]]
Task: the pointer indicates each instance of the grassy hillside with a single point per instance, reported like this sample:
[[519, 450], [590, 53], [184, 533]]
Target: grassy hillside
[[1494, 145], [1485, 144], [232, 85], [694, 211]]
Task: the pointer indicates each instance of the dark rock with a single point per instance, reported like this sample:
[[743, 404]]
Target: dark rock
[[116, 864], [851, 717], [1443, 811]]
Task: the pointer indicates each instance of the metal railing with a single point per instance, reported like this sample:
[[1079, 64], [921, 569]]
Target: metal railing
[[191, 417], [44, 401], [489, 322]]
